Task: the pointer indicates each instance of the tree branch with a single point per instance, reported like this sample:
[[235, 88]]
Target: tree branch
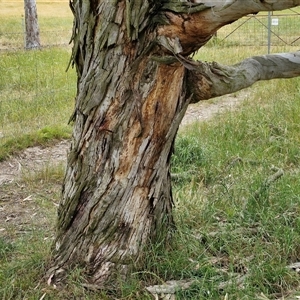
[[209, 80], [193, 23]]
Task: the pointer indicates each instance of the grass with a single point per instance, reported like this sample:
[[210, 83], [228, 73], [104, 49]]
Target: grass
[[54, 19], [231, 226], [37, 95], [242, 222], [46, 136]]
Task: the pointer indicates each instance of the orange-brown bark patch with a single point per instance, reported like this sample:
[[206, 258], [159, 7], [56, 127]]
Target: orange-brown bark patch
[[154, 120], [193, 30]]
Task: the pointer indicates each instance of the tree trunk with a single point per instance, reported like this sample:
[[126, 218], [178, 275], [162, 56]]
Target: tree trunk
[[117, 191], [119, 196], [135, 81], [32, 39]]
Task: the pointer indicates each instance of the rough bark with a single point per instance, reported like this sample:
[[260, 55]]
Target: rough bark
[[209, 80], [135, 81], [192, 24], [117, 193], [32, 39]]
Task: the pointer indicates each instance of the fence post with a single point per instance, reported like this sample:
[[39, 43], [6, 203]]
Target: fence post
[[31, 25], [269, 31], [24, 31]]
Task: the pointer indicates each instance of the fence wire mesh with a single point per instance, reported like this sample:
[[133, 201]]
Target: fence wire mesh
[[273, 29], [35, 90], [54, 19], [276, 29], [22, 73]]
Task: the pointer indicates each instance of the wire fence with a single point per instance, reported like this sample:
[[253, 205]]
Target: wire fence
[[273, 29], [270, 30], [34, 83], [35, 89], [15, 40], [278, 30], [54, 35]]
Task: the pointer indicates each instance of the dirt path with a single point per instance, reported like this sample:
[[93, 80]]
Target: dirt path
[[206, 110], [35, 158]]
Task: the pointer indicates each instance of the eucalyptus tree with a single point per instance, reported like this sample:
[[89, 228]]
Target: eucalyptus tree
[[135, 81]]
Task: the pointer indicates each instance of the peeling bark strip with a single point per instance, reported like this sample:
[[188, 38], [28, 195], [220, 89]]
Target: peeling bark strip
[[135, 81]]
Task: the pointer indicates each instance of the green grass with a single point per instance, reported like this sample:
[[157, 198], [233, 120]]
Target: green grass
[[230, 225], [37, 96], [43, 137], [54, 20], [242, 222]]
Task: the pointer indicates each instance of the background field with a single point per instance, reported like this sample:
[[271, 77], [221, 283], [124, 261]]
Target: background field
[[37, 94], [236, 182], [54, 17]]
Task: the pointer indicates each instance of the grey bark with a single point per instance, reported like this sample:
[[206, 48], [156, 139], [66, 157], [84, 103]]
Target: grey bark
[[135, 81], [32, 34], [209, 80]]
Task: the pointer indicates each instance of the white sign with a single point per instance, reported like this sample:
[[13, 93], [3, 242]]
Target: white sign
[[275, 22]]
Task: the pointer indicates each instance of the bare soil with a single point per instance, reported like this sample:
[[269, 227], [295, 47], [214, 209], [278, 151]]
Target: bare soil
[[26, 204]]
